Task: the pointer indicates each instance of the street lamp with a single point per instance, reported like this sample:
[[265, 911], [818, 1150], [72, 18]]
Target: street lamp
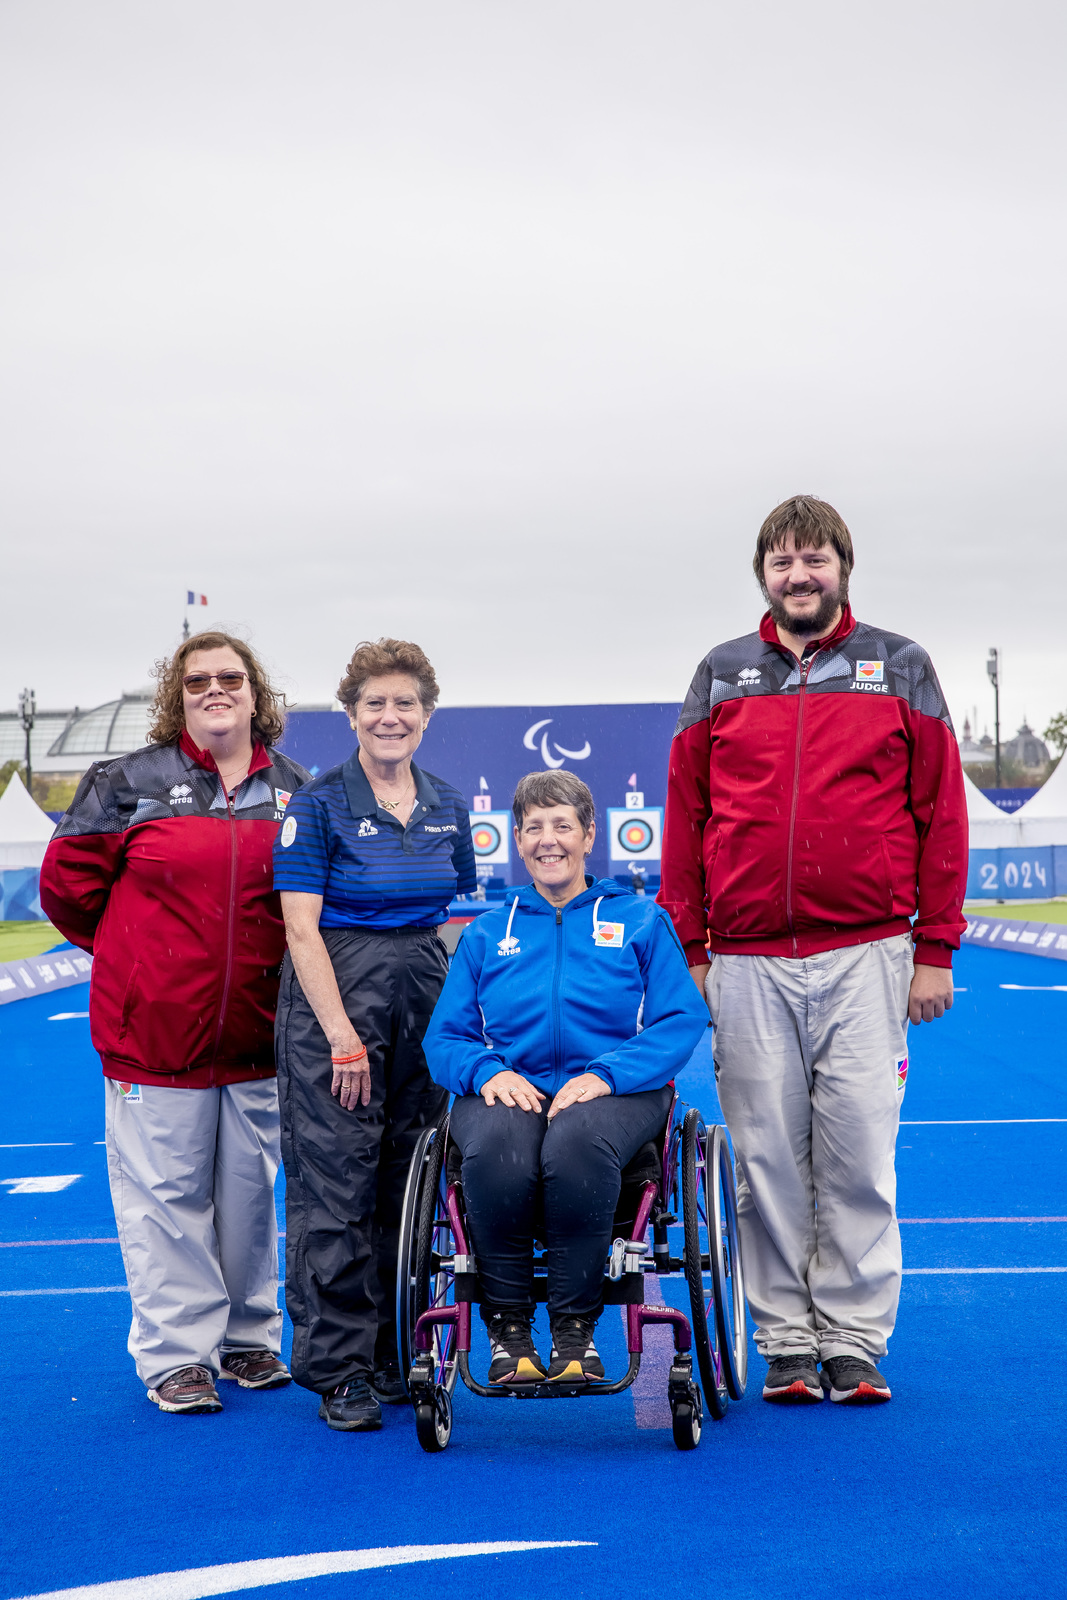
[[992, 666], [27, 715]]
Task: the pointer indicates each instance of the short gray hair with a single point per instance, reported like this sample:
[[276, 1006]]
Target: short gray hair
[[559, 788]]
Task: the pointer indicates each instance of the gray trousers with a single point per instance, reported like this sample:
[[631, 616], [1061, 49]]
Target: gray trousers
[[808, 1057], [192, 1182]]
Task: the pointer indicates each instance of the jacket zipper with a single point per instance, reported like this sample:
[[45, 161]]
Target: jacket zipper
[[229, 936], [555, 994], [805, 668]]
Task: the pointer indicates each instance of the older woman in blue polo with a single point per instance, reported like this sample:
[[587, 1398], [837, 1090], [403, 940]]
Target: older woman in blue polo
[[560, 1029]]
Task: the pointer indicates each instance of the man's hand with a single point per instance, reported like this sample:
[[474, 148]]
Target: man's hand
[[586, 1086], [512, 1089], [931, 993], [699, 976]]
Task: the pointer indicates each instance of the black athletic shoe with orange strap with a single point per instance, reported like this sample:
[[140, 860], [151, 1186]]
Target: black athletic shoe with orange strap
[[855, 1382], [793, 1381]]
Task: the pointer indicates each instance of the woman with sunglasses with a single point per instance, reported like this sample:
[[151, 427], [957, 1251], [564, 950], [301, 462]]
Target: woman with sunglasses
[[162, 869]]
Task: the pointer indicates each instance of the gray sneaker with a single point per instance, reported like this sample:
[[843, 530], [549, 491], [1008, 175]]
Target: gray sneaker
[[793, 1381], [855, 1382], [189, 1389]]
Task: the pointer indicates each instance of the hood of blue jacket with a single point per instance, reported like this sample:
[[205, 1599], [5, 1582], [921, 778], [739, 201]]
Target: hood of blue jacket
[[599, 985]]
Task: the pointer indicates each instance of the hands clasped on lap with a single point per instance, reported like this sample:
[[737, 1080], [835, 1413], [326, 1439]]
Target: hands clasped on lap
[[512, 1089]]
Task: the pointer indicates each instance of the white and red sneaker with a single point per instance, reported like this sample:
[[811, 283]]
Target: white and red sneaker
[[855, 1382], [793, 1381]]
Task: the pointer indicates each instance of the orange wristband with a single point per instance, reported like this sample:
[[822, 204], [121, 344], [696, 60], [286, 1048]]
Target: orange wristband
[[346, 1061]]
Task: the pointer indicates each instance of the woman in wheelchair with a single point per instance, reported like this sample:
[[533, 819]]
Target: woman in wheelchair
[[560, 1029]]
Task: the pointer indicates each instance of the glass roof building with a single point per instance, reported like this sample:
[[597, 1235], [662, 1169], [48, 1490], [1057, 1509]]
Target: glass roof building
[[70, 741]]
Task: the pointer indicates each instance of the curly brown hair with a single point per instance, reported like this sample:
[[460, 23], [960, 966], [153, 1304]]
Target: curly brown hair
[[373, 659], [268, 719]]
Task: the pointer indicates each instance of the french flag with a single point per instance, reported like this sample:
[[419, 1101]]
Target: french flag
[[192, 599]]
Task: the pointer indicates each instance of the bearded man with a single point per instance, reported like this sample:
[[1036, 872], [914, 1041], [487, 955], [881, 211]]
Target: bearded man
[[814, 865]]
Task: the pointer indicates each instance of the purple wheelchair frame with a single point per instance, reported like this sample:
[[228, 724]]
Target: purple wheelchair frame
[[448, 1327]]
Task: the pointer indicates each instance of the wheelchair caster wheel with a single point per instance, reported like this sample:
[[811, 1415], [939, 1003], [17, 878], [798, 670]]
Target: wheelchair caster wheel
[[433, 1420], [687, 1415]]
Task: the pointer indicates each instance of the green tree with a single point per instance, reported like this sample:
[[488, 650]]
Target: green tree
[[1055, 733], [7, 769]]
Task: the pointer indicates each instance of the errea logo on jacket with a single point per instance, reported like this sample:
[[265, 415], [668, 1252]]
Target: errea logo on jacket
[[181, 795]]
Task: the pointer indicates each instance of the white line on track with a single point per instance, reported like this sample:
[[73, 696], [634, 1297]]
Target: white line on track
[[953, 1272], [981, 1122], [1038, 988], [61, 1144], [37, 1244], [109, 1288], [903, 1220], [196, 1582]]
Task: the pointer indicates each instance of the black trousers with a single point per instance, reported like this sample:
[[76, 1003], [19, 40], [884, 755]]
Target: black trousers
[[518, 1167], [345, 1171]]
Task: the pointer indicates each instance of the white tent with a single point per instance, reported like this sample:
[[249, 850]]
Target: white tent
[[1043, 819], [990, 828], [24, 828]]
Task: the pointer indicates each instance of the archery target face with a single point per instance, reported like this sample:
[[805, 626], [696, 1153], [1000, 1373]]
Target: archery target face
[[635, 835], [491, 835]]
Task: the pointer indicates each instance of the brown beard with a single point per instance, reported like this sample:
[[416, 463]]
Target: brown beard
[[811, 627]]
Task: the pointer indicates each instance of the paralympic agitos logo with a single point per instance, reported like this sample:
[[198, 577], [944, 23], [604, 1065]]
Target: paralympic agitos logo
[[529, 739]]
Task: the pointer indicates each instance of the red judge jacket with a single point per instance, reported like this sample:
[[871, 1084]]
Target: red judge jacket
[[171, 889], [815, 805]]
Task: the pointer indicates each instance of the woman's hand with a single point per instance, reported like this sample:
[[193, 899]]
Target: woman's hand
[[511, 1089], [586, 1086], [351, 1083]]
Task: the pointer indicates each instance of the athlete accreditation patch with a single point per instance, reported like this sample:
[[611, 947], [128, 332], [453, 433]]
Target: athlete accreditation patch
[[609, 935]]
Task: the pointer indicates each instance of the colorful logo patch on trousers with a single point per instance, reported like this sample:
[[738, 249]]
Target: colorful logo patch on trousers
[[869, 671], [902, 1072], [131, 1093], [609, 935]]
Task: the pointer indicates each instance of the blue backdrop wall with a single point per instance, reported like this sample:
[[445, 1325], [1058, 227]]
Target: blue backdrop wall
[[604, 745]]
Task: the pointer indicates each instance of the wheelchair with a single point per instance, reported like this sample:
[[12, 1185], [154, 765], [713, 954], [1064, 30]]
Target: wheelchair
[[437, 1279]]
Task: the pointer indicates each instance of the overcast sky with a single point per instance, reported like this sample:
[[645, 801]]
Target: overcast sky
[[502, 325]]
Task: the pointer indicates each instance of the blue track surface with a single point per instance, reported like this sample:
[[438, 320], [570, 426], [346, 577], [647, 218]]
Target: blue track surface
[[952, 1490]]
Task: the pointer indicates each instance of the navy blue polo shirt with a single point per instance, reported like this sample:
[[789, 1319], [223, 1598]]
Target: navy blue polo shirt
[[370, 870]]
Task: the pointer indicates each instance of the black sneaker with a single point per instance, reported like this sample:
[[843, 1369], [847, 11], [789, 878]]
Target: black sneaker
[[514, 1357], [574, 1355], [351, 1408], [855, 1382], [388, 1385], [793, 1381]]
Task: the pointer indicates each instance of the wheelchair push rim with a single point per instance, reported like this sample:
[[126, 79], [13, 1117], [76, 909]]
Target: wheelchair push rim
[[731, 1312], [696, 1149], [425, 1278]]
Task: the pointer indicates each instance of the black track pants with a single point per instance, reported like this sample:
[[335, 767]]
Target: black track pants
[[514, 1160], [345, 1171]]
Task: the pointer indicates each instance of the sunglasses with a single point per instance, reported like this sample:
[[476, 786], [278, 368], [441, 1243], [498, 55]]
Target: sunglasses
[[197, 682]]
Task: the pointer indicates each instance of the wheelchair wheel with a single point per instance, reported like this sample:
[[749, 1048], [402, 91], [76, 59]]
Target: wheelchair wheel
[[687, 1417], [433, 1421], [696, 1151], [425, 1237], [728, 1278]]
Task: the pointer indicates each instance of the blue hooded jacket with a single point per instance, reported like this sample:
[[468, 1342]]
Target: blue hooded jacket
[[600, 985]]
